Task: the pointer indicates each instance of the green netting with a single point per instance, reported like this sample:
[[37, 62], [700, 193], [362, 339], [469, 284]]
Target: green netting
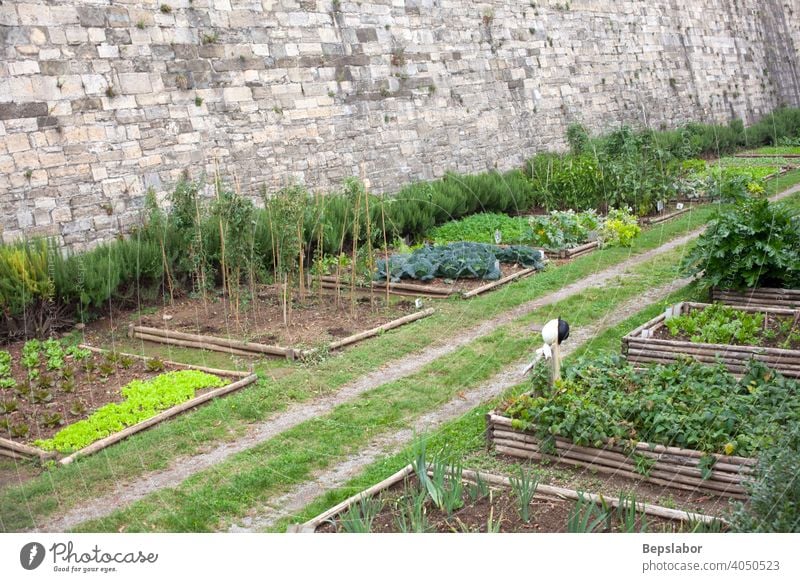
[[457, 261]]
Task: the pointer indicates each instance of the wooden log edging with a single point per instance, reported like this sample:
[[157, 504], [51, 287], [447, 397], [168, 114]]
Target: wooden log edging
[[381, 328], [14, 450], [651, 220], [542, 490], [761, 297], [639, 346], [668, 466], [158, 418], [489, 286], [210, 342], [575, 252], [401, 289]]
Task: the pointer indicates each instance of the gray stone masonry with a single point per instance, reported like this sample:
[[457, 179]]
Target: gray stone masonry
[[101, 100]]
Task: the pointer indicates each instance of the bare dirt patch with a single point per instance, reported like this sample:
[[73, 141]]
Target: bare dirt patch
[[317, 319]]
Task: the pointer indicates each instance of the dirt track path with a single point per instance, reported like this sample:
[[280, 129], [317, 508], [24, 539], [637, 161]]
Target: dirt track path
[[183, 468], [287, 505]]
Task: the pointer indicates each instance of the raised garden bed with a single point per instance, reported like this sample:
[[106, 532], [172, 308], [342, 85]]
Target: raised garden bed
[[315, 322], [50, 396], [653, 341], [435, 289], [686, 425], [669, 466], [762, 297], [491, 503]]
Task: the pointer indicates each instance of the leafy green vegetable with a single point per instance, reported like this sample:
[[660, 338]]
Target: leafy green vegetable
[[55, 354], [718, 324], [755, 244], [456, 260], [684, 404], [143, 399], [620, 227], [6, 379]]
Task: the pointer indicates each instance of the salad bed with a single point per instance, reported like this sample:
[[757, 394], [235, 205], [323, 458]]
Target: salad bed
[[60, 398], [715, 333]]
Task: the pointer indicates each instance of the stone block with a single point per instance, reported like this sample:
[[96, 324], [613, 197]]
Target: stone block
[[135, 83], [17, 111]]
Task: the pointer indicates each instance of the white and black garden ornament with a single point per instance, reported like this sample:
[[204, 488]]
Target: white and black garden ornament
[[554, 333]]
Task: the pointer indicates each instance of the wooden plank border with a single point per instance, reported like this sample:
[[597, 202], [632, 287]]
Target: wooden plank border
[[761, 297], [670, 466], [639, 346], [14, 450], [542, 490]]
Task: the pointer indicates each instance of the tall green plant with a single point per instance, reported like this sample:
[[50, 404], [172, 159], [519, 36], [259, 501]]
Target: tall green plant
[[754, 244]]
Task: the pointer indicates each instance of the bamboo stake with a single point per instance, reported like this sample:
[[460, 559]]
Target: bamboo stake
[[170, 412]]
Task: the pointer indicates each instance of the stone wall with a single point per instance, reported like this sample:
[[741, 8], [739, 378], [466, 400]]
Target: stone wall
[[101, 100]]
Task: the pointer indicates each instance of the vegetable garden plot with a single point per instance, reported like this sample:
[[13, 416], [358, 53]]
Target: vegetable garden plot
[[668, 466], [685, 425], [264, 328], [560, 234], [456, 500], [58, 399], [758, 298], [467, 269], [711, 333]]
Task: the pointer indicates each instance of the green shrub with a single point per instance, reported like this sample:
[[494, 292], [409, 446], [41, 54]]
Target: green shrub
[[143, 399], [754, 244], [619, 228], [774, 493], [24, 276]]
